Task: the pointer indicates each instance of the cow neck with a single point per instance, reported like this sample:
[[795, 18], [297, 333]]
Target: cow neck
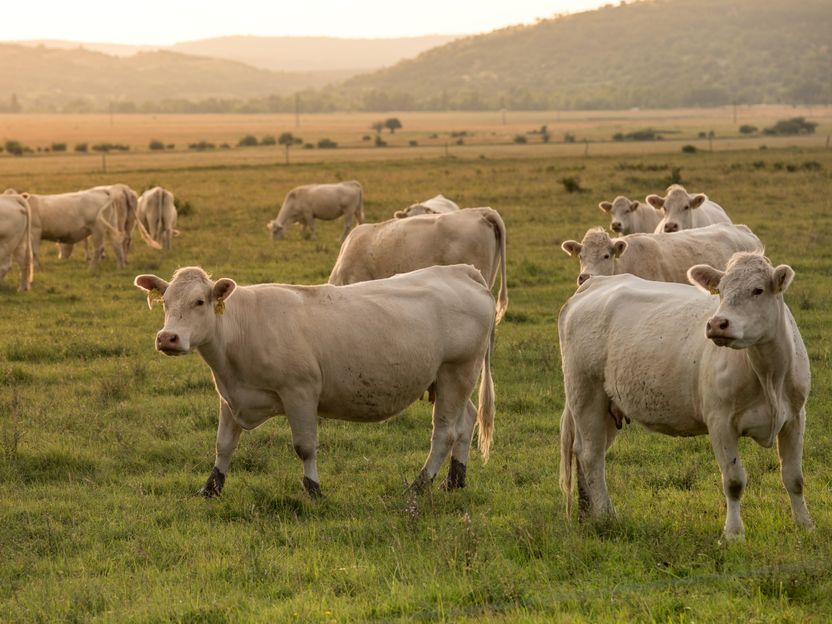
[[214, 352], [771, 361]]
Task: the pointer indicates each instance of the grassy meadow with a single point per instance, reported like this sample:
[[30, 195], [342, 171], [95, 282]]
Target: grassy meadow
[[103, 442]]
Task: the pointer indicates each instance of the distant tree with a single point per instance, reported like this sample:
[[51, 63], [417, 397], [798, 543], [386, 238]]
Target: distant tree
[[16, 148], [746, 129], [520, 138], [378, 126], [80, 147], [392, 124], [795, 125], [287, 140], [156, 144], [568, 137], [268, 140], [327, 144], [248, 140], [380, 142], [59, 147], [689, 149]]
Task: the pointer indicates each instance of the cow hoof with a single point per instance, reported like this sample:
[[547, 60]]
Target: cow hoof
[[313, 488], [731, 538], [456, 476], [420, 484], [213, 486]]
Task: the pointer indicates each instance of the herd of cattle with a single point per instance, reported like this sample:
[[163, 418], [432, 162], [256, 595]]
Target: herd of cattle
[[678, 323]]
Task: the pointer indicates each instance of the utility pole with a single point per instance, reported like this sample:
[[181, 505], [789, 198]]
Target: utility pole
[[111, 113], [297, 110]]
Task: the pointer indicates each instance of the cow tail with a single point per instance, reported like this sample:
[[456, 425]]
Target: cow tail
[[118, 236], [359, 215], [146, 237], [567, 444], [485, 408], [502, 296], [29, 258]]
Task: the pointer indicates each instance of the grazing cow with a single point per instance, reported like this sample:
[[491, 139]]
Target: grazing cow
[[682, 361], [125, 201], [474, 236], [683, 211], [304, 204], [630, 217], [70, 217], [435, 205], [16, 237], [659, 257], [156, 217], [361, 353]]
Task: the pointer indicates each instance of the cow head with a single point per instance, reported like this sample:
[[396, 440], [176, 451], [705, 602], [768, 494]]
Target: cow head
[[621, 212], [596, 253], [192, 303], [750, 299], [412, 211], [677, 206], [278, 231]]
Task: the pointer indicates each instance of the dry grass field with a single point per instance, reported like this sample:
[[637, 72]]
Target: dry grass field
[[103, 441]]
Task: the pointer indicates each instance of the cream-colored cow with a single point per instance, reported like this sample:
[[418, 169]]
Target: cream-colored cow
[[683, 211], [16, 237], [630, 217], [658, 256], [435, 205], [361, 353], [682, 361], [156, 217], [125, 202], [304, 204], [474, 236]]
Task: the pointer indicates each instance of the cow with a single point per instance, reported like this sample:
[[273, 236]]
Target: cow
[[683, 211], [156, 217], [435, 205], [361, 353], [474, 236], [724, 359], [630, 217], [125, 201], [304, 204], [657, 256], [16, 238], [69, 218]]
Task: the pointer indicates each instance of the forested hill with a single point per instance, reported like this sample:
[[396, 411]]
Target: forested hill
[[662, 53]]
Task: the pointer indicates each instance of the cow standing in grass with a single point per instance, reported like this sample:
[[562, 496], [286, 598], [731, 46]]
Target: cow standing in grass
[[630, 217], [304, 204], [156, 217], [16, 237], [361, 353], [725, 359]]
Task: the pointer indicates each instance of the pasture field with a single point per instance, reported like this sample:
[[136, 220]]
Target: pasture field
[[104, 441]]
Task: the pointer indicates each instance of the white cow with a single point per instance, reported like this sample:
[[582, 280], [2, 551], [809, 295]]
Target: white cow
[[630, 217], [435, 205], [683, 211], [361, 353], [657, 256], [156, 217], [474, 236], [16, 238], [125, 200], [683, 362], [304, 204], [70, 217]]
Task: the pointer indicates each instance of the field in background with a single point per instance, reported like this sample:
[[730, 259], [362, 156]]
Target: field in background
[[104, 441]]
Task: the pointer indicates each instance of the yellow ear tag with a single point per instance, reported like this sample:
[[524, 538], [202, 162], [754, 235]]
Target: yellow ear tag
[[714, 291], [219, 306], [153, 296]]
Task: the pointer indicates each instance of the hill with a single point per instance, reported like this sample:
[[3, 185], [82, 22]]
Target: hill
[[663, 53]]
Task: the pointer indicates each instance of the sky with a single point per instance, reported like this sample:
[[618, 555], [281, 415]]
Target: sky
[[163, 22]]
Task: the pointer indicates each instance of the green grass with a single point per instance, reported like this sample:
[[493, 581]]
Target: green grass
[[104, 441]]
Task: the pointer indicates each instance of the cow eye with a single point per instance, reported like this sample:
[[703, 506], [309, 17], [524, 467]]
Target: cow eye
[[757, 291], [200, 302], [606, 256], [686, 207]]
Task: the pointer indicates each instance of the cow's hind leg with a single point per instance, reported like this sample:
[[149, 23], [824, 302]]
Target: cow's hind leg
[[594, 425], [302, 415], [65, 250], [347, 225], [790, 450], [462, 446], [228, 436]]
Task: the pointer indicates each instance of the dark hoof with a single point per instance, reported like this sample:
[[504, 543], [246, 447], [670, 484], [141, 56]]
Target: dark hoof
[[456, 476], [421, 483], [213, 486], [312, 488]]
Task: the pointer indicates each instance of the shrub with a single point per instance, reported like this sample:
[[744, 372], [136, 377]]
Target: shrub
[[80, 147], [248, 140], [568, 137], [520, 138], [572, 185], [366, 137], [412, 143], [689, 149], [170, 146], [110, 147], [702, 135], [308, 146], [183, 207], [59, 147], [380, 142], [327, 144], [16, 148], [268, 140], [459, 141], [795, 125], [457, 133], [647, 134], [155, 144], [225, 146], [201, 146], [675, 176], [746, 129]]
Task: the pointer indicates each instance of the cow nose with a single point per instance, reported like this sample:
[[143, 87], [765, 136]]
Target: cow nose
[[717, 323], [166, 340], [582, 278], [616, 227], [671, 227]]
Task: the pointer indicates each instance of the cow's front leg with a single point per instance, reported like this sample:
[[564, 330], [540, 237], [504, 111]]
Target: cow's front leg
[[347, 226], [303, 421], [724, 442], [228, 436], [461, 449], [790, 450], [65, 250]]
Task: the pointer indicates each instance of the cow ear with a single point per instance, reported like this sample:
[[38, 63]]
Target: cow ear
[[698, 200], [400, 214], [619, 247], [223, 289], [571, 248], [605, 206], [657, 201], [154, 286], [633, 206], [705, 277], [781, 278]]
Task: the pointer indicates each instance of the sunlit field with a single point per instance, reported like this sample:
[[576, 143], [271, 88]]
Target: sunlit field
[[103, 442]]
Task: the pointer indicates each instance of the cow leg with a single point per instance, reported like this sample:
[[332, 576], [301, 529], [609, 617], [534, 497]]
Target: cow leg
[[228, 436], [303, 421], [65, 251], [117, 243], [310, 229], [5, 265], [97, 247], [347, 226], [594, 426], [462, 446], [790, 450], [24, 264], [726, 449]]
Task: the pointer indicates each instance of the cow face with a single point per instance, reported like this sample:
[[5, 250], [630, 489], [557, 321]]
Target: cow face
[[413, 210], [621, 212], [750, 299], [192, 304], [677, 207], [596, 253], [278, 231]]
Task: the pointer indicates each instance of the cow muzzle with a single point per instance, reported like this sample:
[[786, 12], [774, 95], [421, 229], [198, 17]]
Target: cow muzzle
[[583, 277], [671, 227], [170, 343], [719, 330], [617, 227]]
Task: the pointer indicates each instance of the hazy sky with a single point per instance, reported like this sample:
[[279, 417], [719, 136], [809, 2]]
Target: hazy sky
[[169, 21]]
